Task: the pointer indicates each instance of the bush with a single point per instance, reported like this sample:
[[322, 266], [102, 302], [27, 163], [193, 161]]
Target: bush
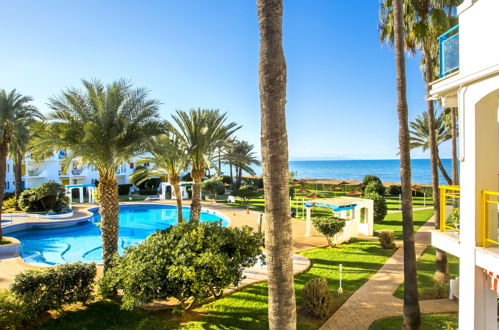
[[329, 227], [371, 178], [246, 193], [386, 238], [425, 190], [258, 182], [375, 187], [394, 190], [12, 313], [148, 192], [8, 195], [190, 262], [227, 179], [47, 196], [214, 186], [43, 290], [9, 203], [124, 189], [291, 191], [380, 209], [317, 299]]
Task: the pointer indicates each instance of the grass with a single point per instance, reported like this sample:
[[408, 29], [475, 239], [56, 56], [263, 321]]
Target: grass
[[247, 308], [393, 202], [426, 268], [393, 221], [428, 322]]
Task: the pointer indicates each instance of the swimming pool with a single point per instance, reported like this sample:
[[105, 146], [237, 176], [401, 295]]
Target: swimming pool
[[82, 242]]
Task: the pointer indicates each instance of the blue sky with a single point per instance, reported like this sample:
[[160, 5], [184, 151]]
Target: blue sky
[[341, 80]]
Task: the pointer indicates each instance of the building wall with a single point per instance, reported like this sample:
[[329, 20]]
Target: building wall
[[476, 18]]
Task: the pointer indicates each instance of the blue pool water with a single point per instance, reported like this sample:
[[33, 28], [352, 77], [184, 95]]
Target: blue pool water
[[82, 242]]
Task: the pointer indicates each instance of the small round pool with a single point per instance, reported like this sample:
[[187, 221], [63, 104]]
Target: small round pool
[[44, 246]]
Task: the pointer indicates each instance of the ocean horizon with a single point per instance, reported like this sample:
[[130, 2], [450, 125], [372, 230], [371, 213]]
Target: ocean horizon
[[388, 170]]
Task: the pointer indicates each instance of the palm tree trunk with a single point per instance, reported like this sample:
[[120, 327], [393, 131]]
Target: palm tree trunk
[[442, 170], [3, 161], [274, 140], [442, 272], [231, 176], [197, 176], [455, 171], [239, 173], [175, 181], [109, 208], [412, 315], [18, 175]]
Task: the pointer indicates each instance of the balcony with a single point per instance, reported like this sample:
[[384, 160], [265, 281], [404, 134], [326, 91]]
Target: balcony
[[449, 51]]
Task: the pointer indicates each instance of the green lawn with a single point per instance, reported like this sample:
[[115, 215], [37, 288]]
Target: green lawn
[[393, 221], [393, 202], [426, 268], [246, 309], [428, 322]]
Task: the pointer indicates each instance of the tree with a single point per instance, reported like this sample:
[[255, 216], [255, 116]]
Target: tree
[[13, 108], [274, 140], [104, 126], [420, 136], [411, 313], [169, 159], [199, 131], [22, 133], [242, 157], [214, 186], [246, 193], [424, 21], [329, 227]]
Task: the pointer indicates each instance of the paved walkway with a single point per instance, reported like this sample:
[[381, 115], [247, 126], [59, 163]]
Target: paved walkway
[[375, 300]]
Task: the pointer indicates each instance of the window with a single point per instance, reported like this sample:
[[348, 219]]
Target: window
[[131, 166]]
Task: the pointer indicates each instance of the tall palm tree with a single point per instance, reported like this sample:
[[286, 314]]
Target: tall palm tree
[[169, 158], [420, 136], [411, 313], [104, 126], [242, 156], [274, 139], [13, 108], [199, 131], [424, 21], [451, 124], [22, 132]]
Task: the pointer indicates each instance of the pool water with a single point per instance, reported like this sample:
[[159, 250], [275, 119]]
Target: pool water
[[82, 242]]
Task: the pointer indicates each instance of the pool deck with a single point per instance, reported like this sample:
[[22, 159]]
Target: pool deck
[[10, 266]]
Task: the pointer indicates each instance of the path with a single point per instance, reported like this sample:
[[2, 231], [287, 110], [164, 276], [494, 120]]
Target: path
[[375, 300]]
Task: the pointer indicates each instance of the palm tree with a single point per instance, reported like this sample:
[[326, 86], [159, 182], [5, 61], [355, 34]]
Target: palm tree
[[13, 108], [104, 126], [242, 156], [274, 139], [169, 159], [451, 125], [420, 136], [22, 133], [424, 21], [411, 313], [199, 131]]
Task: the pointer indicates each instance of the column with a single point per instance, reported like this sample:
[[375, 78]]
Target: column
[[81, 195]]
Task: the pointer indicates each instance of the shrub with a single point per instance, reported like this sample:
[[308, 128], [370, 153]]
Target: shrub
[[380, 209], [124, 189], [9, 203], [190, 262], [227, 179], [386, 238], [425, 191], [12, 313], [317, 298], [214, 186], [291, 191], [371, 178], [148, 192], [394, 190], [375, 187], [43, 290], [246, 193], [329, 227], [47, 196], [8, 195], [258, 182]]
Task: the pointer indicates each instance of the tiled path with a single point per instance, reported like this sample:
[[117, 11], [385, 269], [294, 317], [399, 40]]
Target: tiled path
[[375, 300]]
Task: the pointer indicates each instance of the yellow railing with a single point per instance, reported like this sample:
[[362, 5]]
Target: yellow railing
[[449, 207], [489, 213]]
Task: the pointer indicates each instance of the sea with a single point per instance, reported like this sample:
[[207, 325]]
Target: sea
[[388, 170]]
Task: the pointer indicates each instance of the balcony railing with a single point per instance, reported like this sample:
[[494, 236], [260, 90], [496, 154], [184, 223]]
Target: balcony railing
[[449, 208], [449, 51], [489, 222]]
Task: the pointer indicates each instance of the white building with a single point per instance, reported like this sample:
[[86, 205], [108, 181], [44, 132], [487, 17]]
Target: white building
[[469, 57], [52, 169]]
